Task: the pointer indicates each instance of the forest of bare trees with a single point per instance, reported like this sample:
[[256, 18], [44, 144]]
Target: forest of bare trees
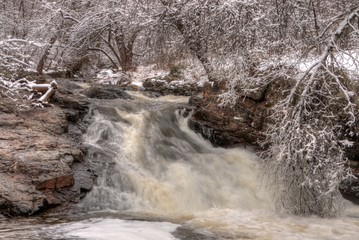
[[313, 44]]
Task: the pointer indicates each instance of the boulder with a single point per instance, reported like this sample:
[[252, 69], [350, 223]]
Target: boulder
[[83, 182], [17, 197], [111, 77], [106, 92]]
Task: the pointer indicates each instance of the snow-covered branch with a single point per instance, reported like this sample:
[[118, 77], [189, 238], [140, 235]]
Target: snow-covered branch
[[306, 158]]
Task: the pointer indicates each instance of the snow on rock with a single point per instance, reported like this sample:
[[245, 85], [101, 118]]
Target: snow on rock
[[108, 76], [145, 72], [139, 84], [149, 78]]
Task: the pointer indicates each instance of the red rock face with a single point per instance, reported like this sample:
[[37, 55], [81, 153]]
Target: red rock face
[[55, 182]]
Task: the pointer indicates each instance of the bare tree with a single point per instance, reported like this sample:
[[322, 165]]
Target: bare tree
[[306, 157], [20, 49], [211, 29], [110, 28]]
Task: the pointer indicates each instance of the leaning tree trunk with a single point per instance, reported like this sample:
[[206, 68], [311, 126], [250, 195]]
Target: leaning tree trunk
[[199, 48], [41, 63]]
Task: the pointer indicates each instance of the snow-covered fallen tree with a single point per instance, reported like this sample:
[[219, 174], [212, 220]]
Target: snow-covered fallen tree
[[23, 90], [16, 57]]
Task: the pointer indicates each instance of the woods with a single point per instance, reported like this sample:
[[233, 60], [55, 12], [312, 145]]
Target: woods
[[311, 44]]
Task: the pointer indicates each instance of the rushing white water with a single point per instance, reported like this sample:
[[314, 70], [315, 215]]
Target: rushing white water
[[161, 166], [153, 168]]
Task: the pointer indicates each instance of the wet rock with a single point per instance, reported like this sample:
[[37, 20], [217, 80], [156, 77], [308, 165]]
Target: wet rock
[[60, 74], [83, 177], [226, 127], [83, 183], [350, 190], [18, 197], [155, 83], [58, 182], [106, 92]]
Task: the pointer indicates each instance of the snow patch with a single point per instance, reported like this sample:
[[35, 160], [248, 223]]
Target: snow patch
[[114, 229], [191, 74], [139, 84]]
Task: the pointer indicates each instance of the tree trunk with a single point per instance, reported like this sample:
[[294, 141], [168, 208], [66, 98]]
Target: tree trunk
[[197, 46], [126, 50], [41, 63], [127, 62]]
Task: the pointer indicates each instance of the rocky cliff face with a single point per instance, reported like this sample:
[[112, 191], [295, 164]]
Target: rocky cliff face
[[41, 157], [244, 123]]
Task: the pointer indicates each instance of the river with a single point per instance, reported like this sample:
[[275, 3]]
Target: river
[[158, 180]]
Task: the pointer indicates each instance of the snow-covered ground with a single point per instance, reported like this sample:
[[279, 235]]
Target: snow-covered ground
[[113, 229], [190, 74], [348, 61], [144, 72]]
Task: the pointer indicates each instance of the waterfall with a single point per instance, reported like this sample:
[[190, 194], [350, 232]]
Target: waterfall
[[151, 161]]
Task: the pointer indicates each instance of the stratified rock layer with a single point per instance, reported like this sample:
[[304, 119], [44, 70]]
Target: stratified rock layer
[[39, 148]]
